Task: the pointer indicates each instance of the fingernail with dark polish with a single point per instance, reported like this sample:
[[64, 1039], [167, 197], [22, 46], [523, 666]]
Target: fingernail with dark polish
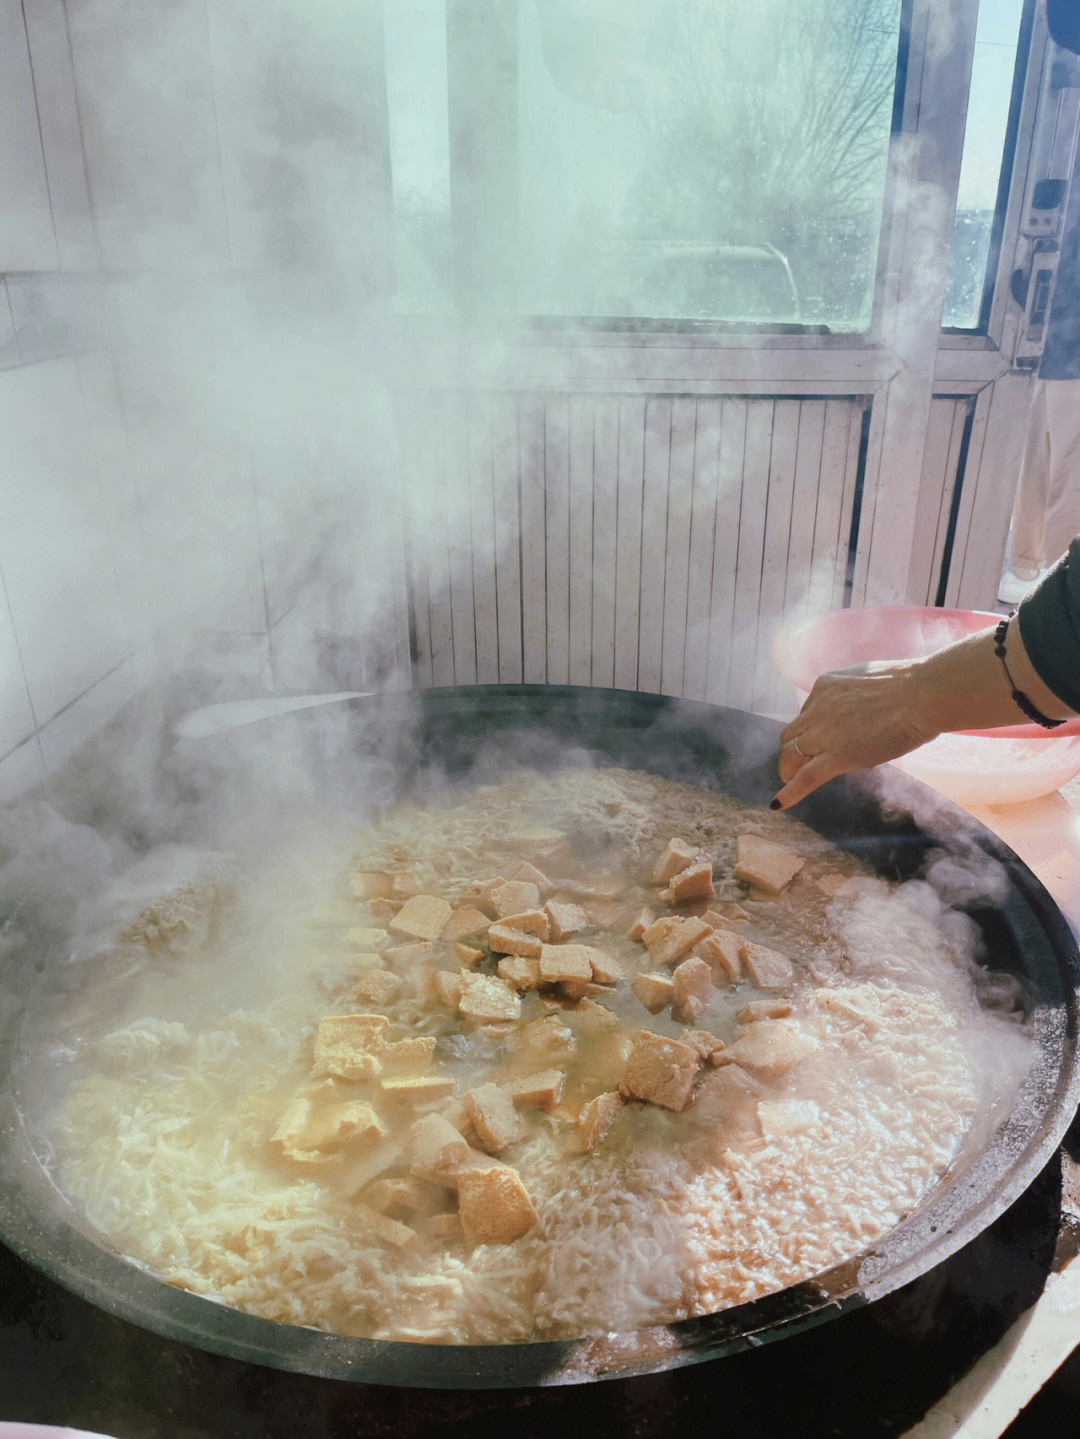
[[775, 804]]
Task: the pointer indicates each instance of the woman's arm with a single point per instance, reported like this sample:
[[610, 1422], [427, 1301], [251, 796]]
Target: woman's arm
[[868, 714]]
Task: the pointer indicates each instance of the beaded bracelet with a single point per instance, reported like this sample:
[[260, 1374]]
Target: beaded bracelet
[[1019, 698]]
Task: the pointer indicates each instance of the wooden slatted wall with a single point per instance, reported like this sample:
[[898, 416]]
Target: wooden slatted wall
[[646, 542], [941, 472]]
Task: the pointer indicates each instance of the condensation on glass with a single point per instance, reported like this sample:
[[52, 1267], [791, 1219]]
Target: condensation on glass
[[981, 171], [678, 160]]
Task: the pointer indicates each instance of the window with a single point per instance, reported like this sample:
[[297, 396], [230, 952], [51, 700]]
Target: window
[[985, 165], [674, 160]]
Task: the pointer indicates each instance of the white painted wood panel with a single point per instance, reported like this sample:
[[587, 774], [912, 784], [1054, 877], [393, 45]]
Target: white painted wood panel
[[657, 546], [605, 554], [631, 482], [506, 468]]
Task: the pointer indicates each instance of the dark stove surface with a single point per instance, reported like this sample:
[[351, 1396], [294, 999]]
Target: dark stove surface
[[872, 1371]]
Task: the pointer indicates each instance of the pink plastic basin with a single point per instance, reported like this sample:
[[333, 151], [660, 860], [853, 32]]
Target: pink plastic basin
[[983, 767]]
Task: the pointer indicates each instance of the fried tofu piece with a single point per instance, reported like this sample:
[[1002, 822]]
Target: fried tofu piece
[[670, 938], [654, 990], [442, 1226], [693, 882], [402, 958], [313, 1123], [529, 874], [564, 919], [605, 968], [765, 865], [831, 884], [421, 917], [446, 987], [549, 1036], [676, 856], [768, 968], [514, 896], [772, 1045], [411, 1056], [378, 986], [706, 1044], [467, 955], [496, 1121], [417, 1089], [660, 1071], [404, 885], [346, 1045], [368, 940], [641, 923], [537, 1091], [722, 950], [755, 1009], [529, 921], [561, 963], [520, 973], [731, 912], [399, 1194], [495, 1206], [382, 909], [465, 922], [390, 1231], [597, 1118], [542, 843], [365, 884], [487, 1000], [691, 980], [504, 940], [437, 1148]]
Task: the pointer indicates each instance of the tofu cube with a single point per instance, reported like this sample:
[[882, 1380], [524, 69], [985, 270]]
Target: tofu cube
[[641, 923], [693, 882], [315, 1124], [495, 1206], [467, 955], [514, 896], [378, 986], [347, 1044], [768, 968], [487, 1000], [421, 917], [692, 979], [412, 1056], [446, 987], [564, 919], [465, 922], [505, 940], [605, 968], [676, 856], [771, 1045], [765, 865], [670, 938], [496, 1121], [722, 950], [390, 1231], [367, 939], [366, 884], [560, 963], [654, 990], [520, 973], [549, 1036], [529, 874], [436, 1147], [537, 1091], [597, 1117], [706, 1044], [660, 1071], [401, 1194], [416, 1089]]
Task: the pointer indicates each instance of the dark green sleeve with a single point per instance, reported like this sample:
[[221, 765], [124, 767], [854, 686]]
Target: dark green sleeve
[[1049, 620]]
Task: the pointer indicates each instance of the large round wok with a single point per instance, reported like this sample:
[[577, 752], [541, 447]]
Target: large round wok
[[1023, 933]]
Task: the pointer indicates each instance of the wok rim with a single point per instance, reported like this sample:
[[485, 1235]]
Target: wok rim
[[52, 1240]]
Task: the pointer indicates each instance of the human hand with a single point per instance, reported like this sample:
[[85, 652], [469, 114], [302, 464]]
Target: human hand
[[852, 719]]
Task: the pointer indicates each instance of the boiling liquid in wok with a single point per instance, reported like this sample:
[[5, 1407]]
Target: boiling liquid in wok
[[164, 1119]]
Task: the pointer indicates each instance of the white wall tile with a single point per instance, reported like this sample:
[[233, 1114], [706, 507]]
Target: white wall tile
[[26, 231], [54, 544]]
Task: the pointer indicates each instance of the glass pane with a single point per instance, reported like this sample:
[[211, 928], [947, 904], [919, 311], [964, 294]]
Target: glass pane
[[996, 38], [416, 94], [704, 161], [692, 160]]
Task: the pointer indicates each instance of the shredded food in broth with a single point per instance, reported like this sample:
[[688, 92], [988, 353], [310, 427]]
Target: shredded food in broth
[[562, 1055]]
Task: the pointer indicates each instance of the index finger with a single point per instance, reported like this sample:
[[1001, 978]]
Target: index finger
[[810, 776]]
